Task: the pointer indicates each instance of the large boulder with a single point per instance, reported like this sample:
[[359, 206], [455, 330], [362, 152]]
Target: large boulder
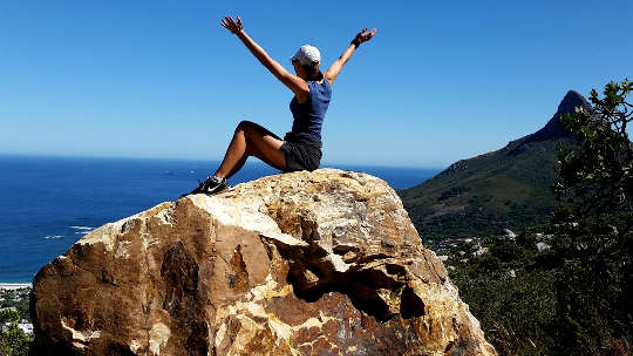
[[321, 263]]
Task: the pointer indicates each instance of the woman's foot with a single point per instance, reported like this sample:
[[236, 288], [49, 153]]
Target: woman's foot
[[212, 185]]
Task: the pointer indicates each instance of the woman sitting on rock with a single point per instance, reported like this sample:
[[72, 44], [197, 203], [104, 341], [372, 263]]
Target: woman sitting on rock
[[301, 148]]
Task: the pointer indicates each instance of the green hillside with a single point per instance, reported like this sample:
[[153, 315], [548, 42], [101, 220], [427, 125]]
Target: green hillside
[[508, 188]]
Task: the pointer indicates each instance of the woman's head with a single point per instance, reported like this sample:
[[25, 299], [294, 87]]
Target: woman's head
[[306, 63]]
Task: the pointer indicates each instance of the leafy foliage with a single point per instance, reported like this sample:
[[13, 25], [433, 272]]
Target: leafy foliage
[[513, 298], [598, 175], [18, 300], [594, 284], [13, 341], [594, 237]]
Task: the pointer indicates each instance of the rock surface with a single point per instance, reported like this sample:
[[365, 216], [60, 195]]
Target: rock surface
[[321, 263]]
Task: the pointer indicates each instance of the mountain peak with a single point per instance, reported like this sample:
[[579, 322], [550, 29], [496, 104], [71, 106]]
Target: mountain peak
[[572, 100], [506, 188], [552, 130]]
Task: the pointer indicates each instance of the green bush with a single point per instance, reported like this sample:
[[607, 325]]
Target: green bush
[[13, 341], [515, 312], [593, 237]]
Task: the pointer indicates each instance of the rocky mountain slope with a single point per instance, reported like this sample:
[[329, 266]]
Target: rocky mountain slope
[[321, 263], [505, 189]]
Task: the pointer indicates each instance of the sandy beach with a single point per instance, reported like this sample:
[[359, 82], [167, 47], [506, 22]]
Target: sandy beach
[[14, 286]]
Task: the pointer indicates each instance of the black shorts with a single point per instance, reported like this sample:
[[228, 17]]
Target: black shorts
[[301, 154]]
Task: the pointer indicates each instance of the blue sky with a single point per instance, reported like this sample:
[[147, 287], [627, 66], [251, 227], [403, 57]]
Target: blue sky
[[441, 81]]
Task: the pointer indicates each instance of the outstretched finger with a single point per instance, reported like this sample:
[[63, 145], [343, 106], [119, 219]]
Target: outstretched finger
[[226, 21], [370, 34], [230, 20]]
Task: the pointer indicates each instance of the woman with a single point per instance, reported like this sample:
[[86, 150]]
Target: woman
[[301, 148]]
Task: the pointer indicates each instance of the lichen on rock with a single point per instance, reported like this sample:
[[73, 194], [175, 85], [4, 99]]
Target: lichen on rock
[[305, 263]]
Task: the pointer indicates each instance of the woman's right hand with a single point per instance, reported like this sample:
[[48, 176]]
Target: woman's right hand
[[230, 24]]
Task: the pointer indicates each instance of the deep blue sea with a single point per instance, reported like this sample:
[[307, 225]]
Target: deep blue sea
[[46, 204]]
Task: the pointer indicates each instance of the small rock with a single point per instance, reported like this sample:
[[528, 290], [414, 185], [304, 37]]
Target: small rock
[[480, 251], [26, 328], [542, 246]]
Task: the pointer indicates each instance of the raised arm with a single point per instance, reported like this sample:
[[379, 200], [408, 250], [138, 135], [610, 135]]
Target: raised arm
[[298, 86], [335, 69]]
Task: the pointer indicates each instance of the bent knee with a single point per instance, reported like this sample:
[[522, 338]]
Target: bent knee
[[250, 129], [245, 125]]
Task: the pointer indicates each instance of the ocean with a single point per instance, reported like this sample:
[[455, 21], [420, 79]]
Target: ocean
[[48, 203]]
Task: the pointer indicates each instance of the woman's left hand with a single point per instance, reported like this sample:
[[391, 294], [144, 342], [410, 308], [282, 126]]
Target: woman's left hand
[[364, 36], [230, 24]]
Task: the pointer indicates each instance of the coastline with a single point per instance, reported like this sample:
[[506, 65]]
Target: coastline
[[14, 286]]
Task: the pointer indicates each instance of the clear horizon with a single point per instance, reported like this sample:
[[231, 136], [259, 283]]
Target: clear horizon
[[251, 160], [439, 82]]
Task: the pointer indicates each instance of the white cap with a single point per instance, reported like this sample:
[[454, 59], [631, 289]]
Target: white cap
[[307, 55]]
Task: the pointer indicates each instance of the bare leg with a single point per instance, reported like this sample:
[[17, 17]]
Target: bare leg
[[251, 139], [237, 167]]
